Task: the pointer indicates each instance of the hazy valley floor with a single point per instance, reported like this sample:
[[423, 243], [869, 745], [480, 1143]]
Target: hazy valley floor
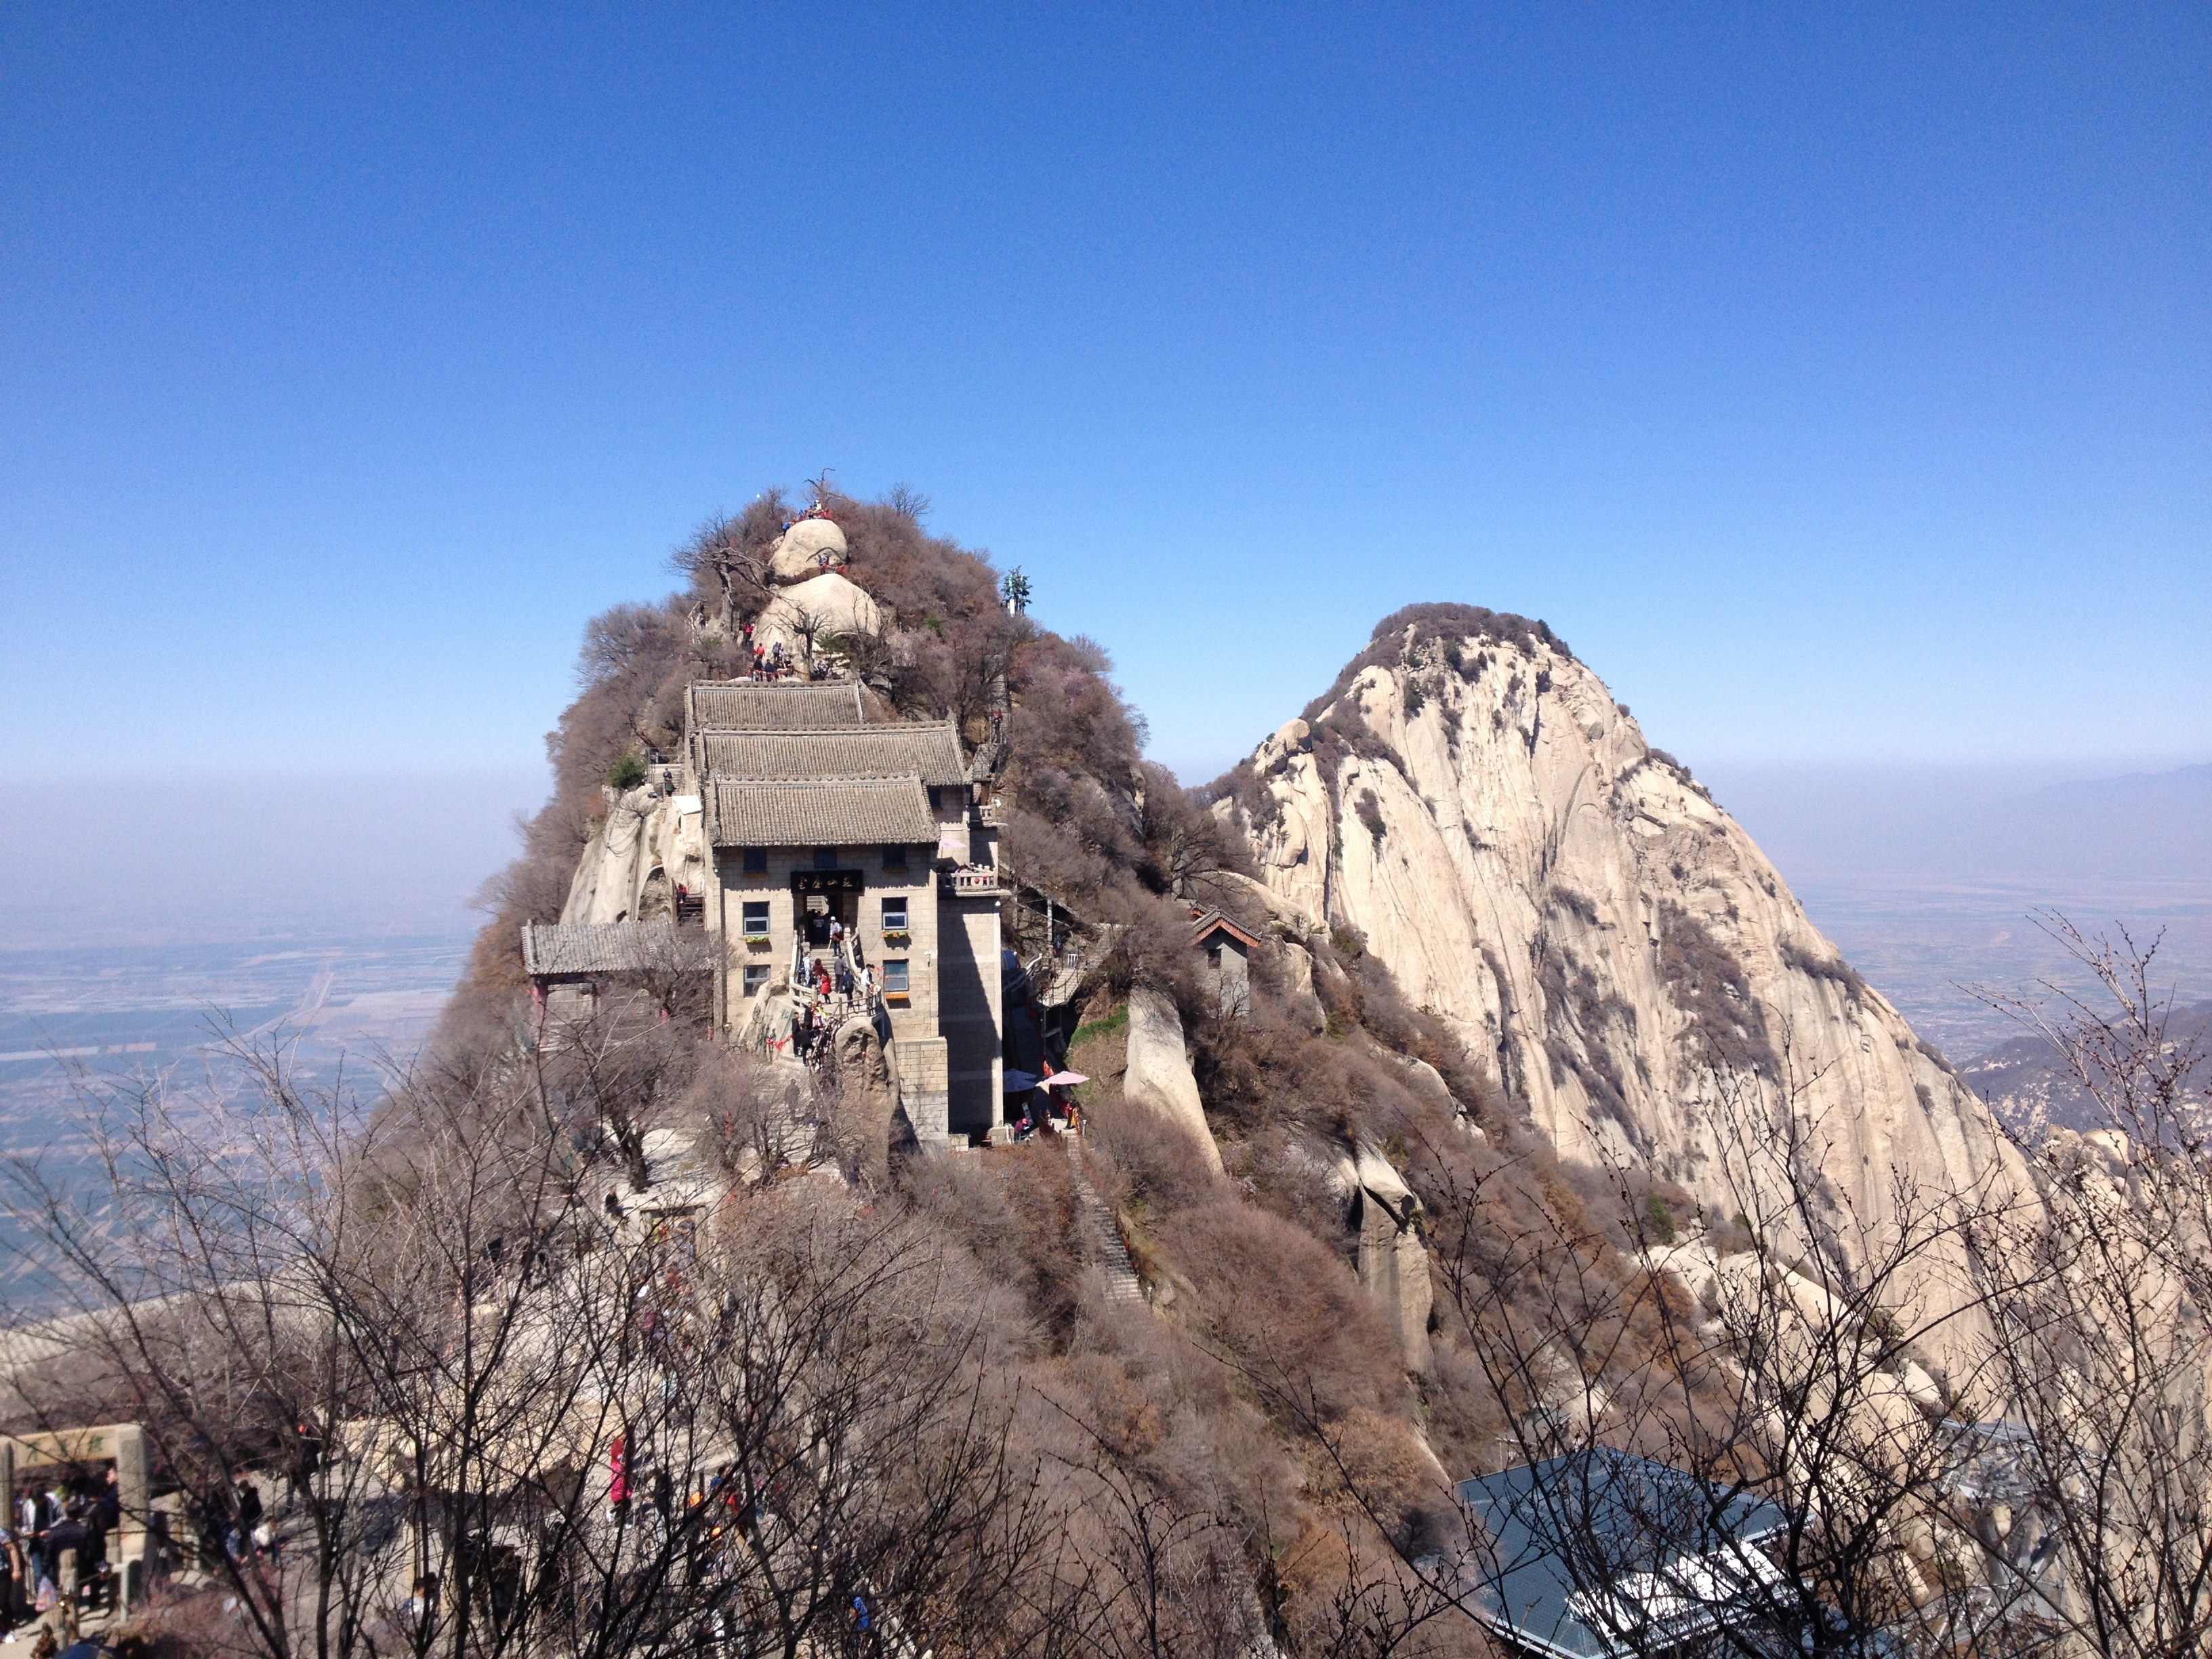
[[1926, 881], [1927, 943], [111, 1011]]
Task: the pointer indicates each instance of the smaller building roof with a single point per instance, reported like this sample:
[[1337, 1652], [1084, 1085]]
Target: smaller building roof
[[820, 812], [1600, 1553], [1210, 923], [1989, 1463], [555, 950], [745, 705], [927, 749]]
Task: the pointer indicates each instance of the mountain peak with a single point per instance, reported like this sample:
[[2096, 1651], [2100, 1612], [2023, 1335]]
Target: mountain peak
[[1469, 797]]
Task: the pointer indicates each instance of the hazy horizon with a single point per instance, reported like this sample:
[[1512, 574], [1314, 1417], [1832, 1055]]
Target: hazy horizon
[[301, 893], [240, 855]]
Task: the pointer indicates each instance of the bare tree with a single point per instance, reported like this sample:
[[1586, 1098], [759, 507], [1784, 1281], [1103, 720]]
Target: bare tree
[[732, 557], [559, 1429], [2102, 1343], [807, 624], [1776, 1371], [905, 498]]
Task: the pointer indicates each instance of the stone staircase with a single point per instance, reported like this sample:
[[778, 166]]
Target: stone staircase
[[833, 1010], [1105, 1234]]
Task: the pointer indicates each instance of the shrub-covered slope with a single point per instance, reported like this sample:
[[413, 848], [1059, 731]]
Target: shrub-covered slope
[[1389, 1100]]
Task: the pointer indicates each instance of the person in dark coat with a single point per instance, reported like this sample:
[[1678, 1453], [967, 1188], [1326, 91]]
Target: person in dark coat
[[249, 1518]]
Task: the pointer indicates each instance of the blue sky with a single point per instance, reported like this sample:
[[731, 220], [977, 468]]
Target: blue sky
[[1838, 381]]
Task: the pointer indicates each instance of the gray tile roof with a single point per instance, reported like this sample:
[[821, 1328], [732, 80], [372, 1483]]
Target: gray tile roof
[[927, 751], [550, 949], [820, 812], [742, 706], [1599, 1552]]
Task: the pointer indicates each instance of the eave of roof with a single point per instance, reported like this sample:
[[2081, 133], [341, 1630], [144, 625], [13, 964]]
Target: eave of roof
[[1214, 922], [1527, 1593], [554, 949]]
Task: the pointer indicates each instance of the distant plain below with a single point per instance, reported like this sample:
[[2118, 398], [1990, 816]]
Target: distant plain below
[[334, 913], [1933, 881]]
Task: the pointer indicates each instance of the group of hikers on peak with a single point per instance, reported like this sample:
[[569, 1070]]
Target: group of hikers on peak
[[772, 662]]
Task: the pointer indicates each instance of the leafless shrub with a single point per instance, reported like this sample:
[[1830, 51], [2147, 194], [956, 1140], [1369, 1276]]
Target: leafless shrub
[[2101, 1350], [468, 1339]]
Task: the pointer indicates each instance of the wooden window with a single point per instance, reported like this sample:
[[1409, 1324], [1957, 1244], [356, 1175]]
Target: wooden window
[[756, 978], [895, 977], [895, 914], [825, 858], [756, 919], [756, 860], [894, 857]]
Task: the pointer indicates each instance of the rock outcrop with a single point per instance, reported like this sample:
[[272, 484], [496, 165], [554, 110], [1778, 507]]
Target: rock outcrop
[[870, 1093], [1158, 1072], [806, 550], [1472, 801], [815, 611], [646, 847], [1393, 1260]]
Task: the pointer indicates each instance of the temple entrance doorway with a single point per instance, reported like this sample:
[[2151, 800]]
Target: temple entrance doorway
[[818, 896]]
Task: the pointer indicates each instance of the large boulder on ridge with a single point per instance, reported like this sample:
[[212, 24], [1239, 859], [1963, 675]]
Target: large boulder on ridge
[[829, 604], [806, 550]]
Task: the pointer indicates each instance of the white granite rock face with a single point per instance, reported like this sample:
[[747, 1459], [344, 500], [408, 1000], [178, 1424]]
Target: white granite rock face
[[800, 551], [1158, 1072], [648, 846], [1585, 915], [1394, 1262]]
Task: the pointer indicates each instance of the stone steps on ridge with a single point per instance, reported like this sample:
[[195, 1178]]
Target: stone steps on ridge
[[1111, 1255]]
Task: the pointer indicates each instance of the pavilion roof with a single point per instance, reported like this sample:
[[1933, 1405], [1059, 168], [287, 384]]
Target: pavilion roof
[[929, 750], [747, 705], [1210, 923], [554, 949], [1599, 1553], [819, 812]]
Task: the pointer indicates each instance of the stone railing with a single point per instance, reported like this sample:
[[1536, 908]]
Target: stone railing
[[972, 881], [988, 814]]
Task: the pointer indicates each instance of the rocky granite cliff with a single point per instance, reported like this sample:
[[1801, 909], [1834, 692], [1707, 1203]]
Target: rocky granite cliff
[[1473, 801]]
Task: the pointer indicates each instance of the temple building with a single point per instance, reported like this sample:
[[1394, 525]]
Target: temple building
[[806, 859], [813, 814]]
